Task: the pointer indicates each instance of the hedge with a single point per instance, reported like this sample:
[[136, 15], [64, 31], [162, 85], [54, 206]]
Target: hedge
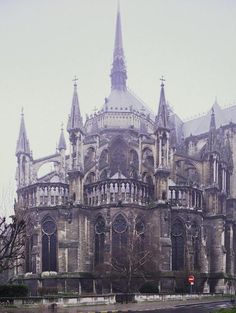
[[13, 291], [149, 287]]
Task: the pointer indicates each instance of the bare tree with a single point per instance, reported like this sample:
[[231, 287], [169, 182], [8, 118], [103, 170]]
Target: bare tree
[[130, 260], [7, 194], [11, 243]]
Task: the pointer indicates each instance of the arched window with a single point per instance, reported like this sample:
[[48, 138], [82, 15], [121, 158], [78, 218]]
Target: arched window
[[118, 157], [133, 159], [140, 231], [178, 243], [148, 179], [30, 241], [89, 158], [119, 237], [49, 245], [99, 240], [195, 232], [103, 160], [103, 175], [91, 177], [28, 253], [148, 160]]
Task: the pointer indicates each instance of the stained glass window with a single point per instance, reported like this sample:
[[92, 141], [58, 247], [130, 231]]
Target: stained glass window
[[119, 237], [99, 240], [49, 245], [178, 242]]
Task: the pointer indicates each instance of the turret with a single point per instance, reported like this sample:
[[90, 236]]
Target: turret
[[23, 154], [212, 149], [62, 150], [76, 133], [162, 133]]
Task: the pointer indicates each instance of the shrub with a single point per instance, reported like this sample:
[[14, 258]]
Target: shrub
[[13, 291], [149, 287]]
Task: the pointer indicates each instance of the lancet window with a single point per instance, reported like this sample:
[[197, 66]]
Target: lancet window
[[99, 240], [119, 237], [49, 245], [178, 244]]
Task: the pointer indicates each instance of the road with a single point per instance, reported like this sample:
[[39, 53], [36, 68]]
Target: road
[[194, 308]]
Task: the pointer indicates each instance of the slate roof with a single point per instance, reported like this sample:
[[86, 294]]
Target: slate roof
[[126, 101], [200, 125]]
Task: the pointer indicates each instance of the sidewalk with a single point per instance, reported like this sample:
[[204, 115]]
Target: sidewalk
[[144, 306]]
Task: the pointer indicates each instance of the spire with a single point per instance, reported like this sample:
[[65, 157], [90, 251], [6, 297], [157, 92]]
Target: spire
[[213, 120], [162, 115], [118, 71], [212, 132], [22, 142], [75, 121], [62, 141]]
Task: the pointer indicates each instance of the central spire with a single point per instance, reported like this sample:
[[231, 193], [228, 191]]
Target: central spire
[[118, 71]]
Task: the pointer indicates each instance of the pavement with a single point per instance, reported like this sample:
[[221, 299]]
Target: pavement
[[143, 306]]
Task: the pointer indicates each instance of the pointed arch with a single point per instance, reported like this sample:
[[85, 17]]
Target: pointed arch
[[148, 178], [89, 158], [196, 235], [49, 244], [104, 175], [119, 236], [103, 160], [148, 159], [178, 245], [140, 227], [133, 164], [99, 228], [118, 156], [90, 178], [29, 241]]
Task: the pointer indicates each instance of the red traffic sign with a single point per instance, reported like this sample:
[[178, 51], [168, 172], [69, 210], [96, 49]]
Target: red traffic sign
[[191, 279]]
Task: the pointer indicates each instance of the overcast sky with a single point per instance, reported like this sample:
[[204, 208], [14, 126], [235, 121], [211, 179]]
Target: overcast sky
[[43, 44]]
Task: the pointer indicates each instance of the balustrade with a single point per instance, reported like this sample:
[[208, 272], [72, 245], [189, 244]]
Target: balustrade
[[44, 194], [117, 191], [186, 196]]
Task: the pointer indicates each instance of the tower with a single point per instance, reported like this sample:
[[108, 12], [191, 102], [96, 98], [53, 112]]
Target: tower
[[76, 134], [214, 222]]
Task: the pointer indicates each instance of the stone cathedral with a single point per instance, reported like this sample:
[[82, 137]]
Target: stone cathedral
[[131, 175]]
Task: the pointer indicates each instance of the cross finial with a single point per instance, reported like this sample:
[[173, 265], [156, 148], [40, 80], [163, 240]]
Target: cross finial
[[75, 81], [62, 126], [162, 79], [22, 111]]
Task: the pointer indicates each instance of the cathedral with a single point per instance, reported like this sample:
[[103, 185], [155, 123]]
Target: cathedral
[[134, 187]]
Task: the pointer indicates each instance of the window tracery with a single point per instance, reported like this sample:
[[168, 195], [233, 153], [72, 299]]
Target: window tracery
[[103, 160], [118, 157], [178, 242], [119, 237], [49, 245], [100, 227], [148, 160]]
